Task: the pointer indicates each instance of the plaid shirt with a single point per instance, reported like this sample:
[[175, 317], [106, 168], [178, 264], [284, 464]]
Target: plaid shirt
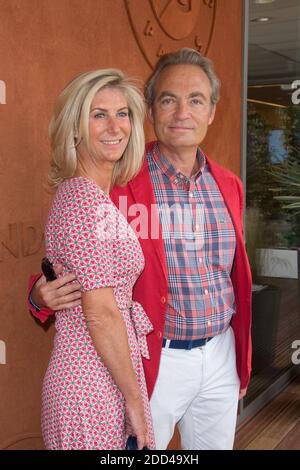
[[199, 241]]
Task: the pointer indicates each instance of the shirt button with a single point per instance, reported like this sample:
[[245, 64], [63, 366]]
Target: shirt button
[[163, 300], [200, 260], [176, 181], [191, 194], [206, 292], [159, 334], [197, 228], [208, 323]]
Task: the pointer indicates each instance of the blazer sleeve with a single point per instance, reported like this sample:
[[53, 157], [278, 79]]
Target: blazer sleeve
[[44, 313]]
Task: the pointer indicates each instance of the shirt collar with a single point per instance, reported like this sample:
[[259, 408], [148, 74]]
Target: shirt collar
[[170, 171]]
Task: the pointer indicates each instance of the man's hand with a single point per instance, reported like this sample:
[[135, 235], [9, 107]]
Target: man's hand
[[243, 392], [59, 294]]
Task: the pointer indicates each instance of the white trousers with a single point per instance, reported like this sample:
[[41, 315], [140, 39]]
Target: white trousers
[[198, 389]]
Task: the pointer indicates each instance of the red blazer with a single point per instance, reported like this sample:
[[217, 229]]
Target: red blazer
[[151, 288]]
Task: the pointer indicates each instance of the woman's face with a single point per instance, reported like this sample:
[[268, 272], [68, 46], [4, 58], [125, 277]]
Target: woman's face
[[109, 125]]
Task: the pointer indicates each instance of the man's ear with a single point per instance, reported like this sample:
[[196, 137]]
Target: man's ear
[[150, 114], [212, 114]]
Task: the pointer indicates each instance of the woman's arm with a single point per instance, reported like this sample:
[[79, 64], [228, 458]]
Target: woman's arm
[[108, 332]]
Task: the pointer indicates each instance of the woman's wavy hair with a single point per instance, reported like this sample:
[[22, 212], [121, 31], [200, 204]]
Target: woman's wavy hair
[[69, 125]]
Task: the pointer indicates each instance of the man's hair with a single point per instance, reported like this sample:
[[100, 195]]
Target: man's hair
[[69, 125], [184, 56]]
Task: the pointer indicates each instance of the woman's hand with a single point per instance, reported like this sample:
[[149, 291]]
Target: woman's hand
[[59, 294], [135, 415]]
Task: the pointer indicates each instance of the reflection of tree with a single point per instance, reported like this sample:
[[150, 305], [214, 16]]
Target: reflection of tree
[[286, 175], [268, 221], [258, 196], [291, 130], [258, 163]]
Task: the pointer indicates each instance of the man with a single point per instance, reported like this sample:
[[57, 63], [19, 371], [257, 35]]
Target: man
[[196, 285]]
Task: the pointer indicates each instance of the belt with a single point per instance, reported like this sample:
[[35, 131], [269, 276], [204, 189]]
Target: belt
[[185, 344]]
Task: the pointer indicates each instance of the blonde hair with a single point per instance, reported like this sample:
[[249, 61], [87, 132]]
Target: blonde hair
[[70, 125]]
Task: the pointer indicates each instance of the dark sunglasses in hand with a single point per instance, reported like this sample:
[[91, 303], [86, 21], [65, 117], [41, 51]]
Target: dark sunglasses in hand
[[48, 271], [131, 444]]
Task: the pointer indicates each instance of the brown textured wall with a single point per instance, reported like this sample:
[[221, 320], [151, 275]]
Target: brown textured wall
[[42, 46]]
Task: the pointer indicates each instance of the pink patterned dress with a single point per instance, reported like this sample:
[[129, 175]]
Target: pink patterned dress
[[82, 407]]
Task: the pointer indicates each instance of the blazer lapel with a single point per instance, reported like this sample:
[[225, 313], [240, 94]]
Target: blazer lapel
[[142, 193]]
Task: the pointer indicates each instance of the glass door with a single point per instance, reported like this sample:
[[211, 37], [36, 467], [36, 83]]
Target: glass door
[[273, 189]]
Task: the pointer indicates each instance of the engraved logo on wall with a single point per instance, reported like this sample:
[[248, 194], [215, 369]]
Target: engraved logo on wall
[[20, 240], [166, 25], [2, 92], [2, 352]]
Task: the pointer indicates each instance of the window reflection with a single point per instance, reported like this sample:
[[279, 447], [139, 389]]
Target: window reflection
[[273, 188]]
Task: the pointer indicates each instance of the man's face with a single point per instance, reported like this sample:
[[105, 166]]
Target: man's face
[[182, 109]]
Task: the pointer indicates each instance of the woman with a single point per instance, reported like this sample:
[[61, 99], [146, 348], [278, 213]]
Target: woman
[[95, 381]]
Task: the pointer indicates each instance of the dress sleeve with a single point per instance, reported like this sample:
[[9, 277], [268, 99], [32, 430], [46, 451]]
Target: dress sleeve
[[88, 241]]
